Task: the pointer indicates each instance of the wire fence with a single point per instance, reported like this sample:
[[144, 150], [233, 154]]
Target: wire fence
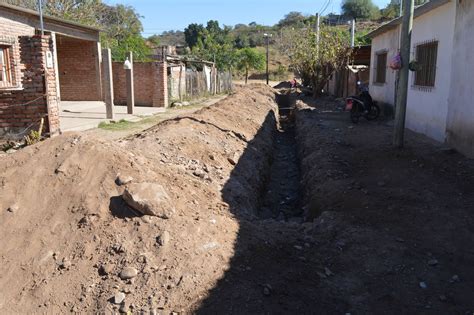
[[197, 84]]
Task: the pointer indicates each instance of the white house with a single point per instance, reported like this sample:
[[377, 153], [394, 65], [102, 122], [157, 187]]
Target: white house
[[440, 93]]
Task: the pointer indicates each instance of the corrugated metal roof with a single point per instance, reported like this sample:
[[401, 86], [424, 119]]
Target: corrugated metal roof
[[420, 10]]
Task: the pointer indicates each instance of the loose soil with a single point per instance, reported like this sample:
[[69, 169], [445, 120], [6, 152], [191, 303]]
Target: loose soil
[[365, 228]]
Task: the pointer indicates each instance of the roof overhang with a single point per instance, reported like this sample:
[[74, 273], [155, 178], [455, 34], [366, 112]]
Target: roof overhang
[[420, 10], [51, 24]]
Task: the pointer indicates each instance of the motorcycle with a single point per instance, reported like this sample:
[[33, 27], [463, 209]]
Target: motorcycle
[[362, 105]]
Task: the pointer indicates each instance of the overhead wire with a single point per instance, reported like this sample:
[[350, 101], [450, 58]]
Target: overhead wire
[[324, 7]]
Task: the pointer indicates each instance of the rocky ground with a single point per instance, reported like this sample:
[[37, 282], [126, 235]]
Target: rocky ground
[[254, 213]]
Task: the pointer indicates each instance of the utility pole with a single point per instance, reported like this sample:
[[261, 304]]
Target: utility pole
[[317, 27], [267, 40], [402, 91], [40, 8], [353, 26], [317, 33]]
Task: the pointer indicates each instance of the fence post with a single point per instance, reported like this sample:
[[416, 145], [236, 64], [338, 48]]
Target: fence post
[[108, 85], [129, 82]]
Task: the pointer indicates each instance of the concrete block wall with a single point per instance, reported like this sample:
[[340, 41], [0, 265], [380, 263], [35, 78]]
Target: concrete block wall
[[77, 67], [150, 84], [35, 97]]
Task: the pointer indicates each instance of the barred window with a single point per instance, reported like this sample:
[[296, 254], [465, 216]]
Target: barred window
[[381, 67], [5, 66], [426, 56]]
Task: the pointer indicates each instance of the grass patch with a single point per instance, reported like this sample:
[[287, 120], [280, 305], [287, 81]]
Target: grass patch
[[115, 126]]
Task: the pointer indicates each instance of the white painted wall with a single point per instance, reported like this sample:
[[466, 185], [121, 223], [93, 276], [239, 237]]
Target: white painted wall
[[427, 109], [460, 122], [384, 93]]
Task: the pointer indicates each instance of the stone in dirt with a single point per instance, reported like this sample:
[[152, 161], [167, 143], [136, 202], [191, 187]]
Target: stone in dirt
[[123, 180], [149, 199], [119, 297], [164, 238], [267, 289], [65, 264], [13, 208], [128, 273], [124, 307], [106, 269], [234, 159]]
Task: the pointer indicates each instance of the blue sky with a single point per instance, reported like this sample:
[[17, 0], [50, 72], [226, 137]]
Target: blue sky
[[161, 15]]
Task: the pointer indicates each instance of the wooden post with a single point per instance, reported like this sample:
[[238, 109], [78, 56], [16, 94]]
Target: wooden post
[[402, 91], [107, 85], [130, 88]]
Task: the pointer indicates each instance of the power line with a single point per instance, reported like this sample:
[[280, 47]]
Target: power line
[[324, 7]]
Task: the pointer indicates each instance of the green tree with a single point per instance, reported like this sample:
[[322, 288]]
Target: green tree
[[154, 40], [123, 29], [392, 10], [134, 43], [292, 19], [360, 9], [248, 59], [193, 33], [316, 61], [209, 47]]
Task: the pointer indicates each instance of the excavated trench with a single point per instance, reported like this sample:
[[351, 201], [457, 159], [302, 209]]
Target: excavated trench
[[281, 196]]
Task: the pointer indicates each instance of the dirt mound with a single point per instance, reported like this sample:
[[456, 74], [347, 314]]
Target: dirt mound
[[70, 243]]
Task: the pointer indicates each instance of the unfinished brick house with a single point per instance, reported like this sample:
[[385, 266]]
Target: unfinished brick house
[[37, 71]]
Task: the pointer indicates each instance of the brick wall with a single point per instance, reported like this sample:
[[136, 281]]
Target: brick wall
[[35, 97], [160, 95], [150, 84], [77, 66], [142, 79]]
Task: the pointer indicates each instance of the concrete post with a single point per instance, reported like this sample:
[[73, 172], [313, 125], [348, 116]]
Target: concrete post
[[108, 85], [130, 88]]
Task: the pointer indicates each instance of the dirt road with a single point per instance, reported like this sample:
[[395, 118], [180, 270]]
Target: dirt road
[[270, 211], [386, 231]]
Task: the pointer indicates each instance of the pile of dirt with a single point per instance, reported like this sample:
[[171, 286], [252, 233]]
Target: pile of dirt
[[385, 230], [71, 243]]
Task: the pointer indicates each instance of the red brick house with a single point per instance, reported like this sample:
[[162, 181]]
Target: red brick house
[[37, 71]]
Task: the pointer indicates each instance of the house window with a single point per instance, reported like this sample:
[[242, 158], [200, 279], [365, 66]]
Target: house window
[[426, 55], [381, 67], [5, 66]]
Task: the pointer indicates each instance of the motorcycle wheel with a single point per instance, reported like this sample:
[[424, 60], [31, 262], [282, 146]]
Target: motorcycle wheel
[[355, 114], [374, 112]]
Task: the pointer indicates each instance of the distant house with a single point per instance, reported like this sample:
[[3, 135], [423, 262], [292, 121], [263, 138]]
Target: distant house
[[343, 83], [441, 91]]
